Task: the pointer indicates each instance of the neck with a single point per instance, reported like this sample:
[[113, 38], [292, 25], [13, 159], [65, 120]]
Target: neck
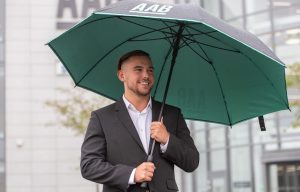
[[139, 102]]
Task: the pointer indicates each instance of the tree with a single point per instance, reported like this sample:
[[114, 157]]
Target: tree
[[293, 82], [75, 107]]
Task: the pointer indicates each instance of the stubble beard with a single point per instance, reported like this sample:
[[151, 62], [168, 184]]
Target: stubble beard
[[137, 92]]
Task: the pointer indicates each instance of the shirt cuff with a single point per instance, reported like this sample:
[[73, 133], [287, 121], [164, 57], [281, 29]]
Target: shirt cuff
[[164, 147], [131, 178]]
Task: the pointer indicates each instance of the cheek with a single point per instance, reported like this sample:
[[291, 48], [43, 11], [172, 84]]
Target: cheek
[[152, 78]]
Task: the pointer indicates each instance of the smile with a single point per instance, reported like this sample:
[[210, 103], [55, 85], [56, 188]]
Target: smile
[[145, 83]]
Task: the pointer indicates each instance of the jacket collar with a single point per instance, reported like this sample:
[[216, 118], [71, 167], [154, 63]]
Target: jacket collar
[[124, 117]]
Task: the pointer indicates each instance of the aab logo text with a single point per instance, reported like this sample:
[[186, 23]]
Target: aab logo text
[[151, 9]]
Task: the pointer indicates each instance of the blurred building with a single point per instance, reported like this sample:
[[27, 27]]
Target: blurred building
[[35, 156], [241, 158], [2, 98]]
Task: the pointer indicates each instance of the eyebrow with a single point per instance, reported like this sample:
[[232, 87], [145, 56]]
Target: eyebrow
[[139, 66]]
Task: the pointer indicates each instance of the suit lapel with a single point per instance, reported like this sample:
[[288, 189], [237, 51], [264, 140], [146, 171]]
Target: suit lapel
[[125, 118]]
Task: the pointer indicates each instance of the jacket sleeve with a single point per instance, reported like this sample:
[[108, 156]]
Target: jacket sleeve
[[94, 166], [181, 148]]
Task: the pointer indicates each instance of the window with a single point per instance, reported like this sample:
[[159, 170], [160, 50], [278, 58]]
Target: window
[[232, 9], [213, 7], [253, 6], [286, 18], [284, 177], [259, 23], [238, 23], [288, 45]]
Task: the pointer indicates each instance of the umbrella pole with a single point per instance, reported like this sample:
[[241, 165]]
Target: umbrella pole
[[173, 61]]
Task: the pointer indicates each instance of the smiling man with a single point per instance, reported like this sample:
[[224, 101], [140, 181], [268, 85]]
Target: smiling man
[[117, 140]]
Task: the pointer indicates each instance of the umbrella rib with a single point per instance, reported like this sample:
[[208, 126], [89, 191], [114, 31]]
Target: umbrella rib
[[161, 70], [218, 79], [117, 46], [199, 45], [76, 27], [223, 95], [159, 30], [153, 39], [238, 51], [219, 82], [188, 44], [145, 26], [168, 54], [205, 44], [235, 50], [198, 34], [207, 60], [267, 78], [172, 31], [184, 42], [205, 33]]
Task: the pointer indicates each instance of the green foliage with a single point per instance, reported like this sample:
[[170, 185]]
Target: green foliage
[[74, 108], [293, 81], [293, 77]]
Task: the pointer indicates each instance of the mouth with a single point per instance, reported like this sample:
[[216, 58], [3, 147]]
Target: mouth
[[145, 82]]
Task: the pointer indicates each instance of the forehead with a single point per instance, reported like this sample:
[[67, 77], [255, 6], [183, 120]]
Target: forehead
[[134, 61]]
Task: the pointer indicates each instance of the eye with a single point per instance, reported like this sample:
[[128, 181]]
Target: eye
[[150, 70]]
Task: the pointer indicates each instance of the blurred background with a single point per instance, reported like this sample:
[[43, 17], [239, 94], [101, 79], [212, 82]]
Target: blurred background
[[43, 118]]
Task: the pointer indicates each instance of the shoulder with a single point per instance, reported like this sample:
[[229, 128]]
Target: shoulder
[[105, 110]]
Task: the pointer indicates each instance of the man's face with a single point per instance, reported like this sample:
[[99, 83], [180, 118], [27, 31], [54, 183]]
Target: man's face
[[137, 74]]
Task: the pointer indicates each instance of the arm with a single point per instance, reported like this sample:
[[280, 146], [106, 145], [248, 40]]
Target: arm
[[94, 166], [181, 148]]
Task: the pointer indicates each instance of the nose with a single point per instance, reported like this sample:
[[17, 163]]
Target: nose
[[146, 74]]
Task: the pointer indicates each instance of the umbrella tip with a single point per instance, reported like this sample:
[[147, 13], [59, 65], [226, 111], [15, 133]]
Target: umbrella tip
[[262, 123]]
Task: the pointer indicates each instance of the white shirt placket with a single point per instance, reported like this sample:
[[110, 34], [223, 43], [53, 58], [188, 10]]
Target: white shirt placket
[[141, 122]]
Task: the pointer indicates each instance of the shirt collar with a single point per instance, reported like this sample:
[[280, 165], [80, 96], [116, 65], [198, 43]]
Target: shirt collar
[[131, 106]]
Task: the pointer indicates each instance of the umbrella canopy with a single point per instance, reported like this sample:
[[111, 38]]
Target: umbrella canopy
[[219, 73]]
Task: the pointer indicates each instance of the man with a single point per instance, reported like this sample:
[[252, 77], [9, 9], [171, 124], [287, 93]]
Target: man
[[116, 144]]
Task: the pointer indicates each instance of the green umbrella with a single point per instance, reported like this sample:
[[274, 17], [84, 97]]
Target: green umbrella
[[211, 70]]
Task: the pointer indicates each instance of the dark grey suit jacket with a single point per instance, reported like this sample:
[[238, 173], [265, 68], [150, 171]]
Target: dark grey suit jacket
[[112, 149]]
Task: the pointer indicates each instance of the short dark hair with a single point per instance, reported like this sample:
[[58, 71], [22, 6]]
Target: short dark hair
[[131, 54]]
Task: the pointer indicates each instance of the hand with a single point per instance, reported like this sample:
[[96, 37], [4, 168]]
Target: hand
[[159, 132], [144, 172]]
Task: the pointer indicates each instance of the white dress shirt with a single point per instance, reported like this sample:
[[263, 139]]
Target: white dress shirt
[[142, 122]]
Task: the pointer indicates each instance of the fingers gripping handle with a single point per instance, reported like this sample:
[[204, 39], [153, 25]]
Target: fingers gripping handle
[[149, 159]]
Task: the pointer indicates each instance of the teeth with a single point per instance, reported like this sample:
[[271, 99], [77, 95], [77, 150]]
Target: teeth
[[145, 83]]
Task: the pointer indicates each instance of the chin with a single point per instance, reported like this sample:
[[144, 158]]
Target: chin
[[144, 93]]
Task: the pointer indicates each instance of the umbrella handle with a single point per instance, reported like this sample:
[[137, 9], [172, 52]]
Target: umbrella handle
[[149, 159], [175, 47]]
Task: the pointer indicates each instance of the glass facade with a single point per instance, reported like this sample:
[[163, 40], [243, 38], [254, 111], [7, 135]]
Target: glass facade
[[2, 96], [232, 159], [242, 158]]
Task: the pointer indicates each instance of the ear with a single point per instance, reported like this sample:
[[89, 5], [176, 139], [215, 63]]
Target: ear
[[120, 75]]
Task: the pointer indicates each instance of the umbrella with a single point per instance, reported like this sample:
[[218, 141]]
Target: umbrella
[[211, 70]]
